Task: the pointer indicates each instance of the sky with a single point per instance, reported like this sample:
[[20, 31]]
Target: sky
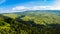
[[23, 5]]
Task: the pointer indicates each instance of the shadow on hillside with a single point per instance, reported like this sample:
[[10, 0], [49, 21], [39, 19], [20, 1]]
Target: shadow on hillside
[[28, 23], [31, 23]]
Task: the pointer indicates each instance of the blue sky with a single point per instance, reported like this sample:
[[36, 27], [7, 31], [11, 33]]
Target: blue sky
[[24, 2], [17, 5]]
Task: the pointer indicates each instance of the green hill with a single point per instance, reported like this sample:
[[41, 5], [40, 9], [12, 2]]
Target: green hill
[[11, 15], [30, 22]]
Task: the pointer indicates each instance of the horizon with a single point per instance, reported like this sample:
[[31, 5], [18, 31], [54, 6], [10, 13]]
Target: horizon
[[31, 11]]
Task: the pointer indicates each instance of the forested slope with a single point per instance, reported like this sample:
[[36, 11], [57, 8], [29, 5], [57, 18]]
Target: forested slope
[[30, 23]]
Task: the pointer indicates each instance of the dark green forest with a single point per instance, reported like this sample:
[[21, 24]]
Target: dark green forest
[[30, 22]]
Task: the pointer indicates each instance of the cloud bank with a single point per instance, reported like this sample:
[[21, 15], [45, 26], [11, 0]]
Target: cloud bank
[[54, 6], [24, 8]]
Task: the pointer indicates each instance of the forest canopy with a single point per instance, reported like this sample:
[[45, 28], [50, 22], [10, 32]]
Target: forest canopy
[[30, 22]]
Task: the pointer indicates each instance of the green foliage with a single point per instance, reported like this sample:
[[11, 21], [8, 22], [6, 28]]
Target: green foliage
[[11, 15], [30, 23], [43, 19]]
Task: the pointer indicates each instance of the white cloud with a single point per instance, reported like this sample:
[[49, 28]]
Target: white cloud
[[0, 10], [23, 8], [55, 6], [19, 8], [39, 7], [2, 1], [57, 3], [4, 10]]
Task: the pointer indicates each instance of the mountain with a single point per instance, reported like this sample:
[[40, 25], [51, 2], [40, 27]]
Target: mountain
[[30, 22]]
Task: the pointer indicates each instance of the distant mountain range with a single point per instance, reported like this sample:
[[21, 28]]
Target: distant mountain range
[[31, 21]]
